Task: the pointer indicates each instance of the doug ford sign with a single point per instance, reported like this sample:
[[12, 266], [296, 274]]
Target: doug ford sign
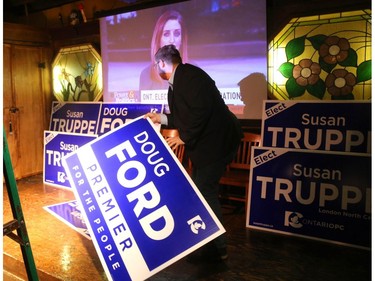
[[142, 210]]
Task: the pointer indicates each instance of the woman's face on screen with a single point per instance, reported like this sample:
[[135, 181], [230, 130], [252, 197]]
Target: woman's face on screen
[[171, 34]]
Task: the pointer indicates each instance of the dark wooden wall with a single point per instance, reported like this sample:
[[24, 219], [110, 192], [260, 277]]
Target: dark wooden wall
[[27, 96]]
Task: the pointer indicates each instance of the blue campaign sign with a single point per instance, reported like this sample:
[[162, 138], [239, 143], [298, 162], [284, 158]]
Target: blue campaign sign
[[142, 209], [70, 214], [316, 194], [317, 125], [56, 146], [96, 117], [75, 117], [114, 115]]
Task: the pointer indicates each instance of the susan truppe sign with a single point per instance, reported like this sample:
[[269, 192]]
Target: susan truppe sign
[[318, 125], [142, 209], [56, 146], [315, 194]]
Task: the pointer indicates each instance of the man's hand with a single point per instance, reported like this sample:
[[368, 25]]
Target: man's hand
[[155, 117], [174, 142]]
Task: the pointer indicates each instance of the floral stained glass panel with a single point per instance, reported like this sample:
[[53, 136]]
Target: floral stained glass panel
[[322, 57], [77, 74]]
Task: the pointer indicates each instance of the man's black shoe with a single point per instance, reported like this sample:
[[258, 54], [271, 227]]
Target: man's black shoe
[[208, 255], [223, 254]]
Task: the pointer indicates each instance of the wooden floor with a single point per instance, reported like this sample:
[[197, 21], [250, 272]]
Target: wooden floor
[[61, 253]]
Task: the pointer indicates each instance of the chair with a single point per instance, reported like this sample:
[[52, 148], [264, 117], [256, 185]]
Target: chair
[[179, 151], [237, 173]]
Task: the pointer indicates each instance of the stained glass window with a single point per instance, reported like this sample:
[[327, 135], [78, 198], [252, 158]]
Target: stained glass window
[[77, 74], [324, 57]]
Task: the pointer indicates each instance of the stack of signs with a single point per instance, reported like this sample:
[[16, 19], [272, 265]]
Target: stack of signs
[[312, 175], [74, 124], [141, 207]]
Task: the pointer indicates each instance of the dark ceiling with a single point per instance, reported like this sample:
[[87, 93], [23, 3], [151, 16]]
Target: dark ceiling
[[276, 9], [18, 8], [25, 7]]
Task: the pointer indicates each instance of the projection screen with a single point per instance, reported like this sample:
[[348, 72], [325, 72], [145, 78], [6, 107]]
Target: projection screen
[[226, 38]]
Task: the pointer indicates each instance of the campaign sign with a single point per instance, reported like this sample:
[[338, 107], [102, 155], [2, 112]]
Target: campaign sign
[[75, 117], [142, 209], [56, 146], [317, 125], [315, 194], [70, 214], [114, 115], [95, 117]]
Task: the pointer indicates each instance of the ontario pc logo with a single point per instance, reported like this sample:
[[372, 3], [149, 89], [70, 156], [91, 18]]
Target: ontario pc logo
[[293, 219]]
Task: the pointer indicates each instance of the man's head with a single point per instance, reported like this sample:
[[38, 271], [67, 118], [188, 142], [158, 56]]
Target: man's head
[[169, 54], [166, 58]]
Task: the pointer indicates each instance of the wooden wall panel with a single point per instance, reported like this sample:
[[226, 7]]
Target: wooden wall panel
[[27, 101], [25, 35], [9, 120]]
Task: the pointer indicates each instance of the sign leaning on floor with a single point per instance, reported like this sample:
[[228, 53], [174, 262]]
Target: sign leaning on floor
[[70, 214], [315, 194], [141, 207]]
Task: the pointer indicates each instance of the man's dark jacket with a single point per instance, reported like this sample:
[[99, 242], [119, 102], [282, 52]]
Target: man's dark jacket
[[210, 131]]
